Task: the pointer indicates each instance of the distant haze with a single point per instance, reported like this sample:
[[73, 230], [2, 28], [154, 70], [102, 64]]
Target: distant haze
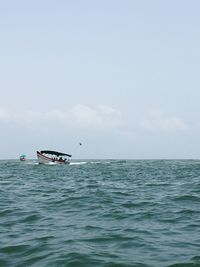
[[121, 77]]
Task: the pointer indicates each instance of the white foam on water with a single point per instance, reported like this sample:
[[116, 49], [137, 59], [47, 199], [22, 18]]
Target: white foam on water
[[78, 163], [30, 162]]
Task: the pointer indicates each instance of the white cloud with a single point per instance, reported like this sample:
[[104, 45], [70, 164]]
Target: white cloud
[[98, 117], [80, 115], [156, 120], [4, 115]]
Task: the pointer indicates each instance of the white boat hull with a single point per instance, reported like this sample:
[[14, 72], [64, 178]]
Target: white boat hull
[[43, 159]]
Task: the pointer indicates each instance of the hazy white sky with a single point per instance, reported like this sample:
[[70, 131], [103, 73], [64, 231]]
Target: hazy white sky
[[122, 77]]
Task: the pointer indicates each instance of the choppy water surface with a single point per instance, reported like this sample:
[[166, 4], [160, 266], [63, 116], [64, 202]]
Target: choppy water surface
[[100, 213]]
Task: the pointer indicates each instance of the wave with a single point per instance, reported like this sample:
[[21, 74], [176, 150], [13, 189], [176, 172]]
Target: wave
[[78, 163]]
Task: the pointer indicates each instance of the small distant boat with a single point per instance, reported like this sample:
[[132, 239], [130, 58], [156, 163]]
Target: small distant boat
[[22, 157], [52, 157]]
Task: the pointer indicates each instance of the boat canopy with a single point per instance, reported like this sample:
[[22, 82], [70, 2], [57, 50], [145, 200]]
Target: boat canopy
[[50, 152]]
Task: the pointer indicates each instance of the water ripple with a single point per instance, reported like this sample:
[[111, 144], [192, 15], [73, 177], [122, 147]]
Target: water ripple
[[100, 213]]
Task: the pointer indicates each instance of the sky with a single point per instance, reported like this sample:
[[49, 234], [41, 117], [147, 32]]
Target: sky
[[122, 77]]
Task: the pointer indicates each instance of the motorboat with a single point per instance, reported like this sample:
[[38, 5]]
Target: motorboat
[[52, 157], [22, 157]]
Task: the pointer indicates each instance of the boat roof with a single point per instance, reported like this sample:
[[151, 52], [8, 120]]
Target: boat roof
[[56, 153]]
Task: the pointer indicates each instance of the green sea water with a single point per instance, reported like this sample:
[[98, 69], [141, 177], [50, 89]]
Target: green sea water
[[101, 213]]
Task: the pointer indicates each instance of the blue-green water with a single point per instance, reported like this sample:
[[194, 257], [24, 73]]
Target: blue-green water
[[100, 213]]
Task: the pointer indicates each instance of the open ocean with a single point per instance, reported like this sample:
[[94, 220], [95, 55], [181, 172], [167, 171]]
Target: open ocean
[[101, 213]]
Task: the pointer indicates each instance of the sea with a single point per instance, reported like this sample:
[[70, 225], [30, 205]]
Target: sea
[[100, 213]]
